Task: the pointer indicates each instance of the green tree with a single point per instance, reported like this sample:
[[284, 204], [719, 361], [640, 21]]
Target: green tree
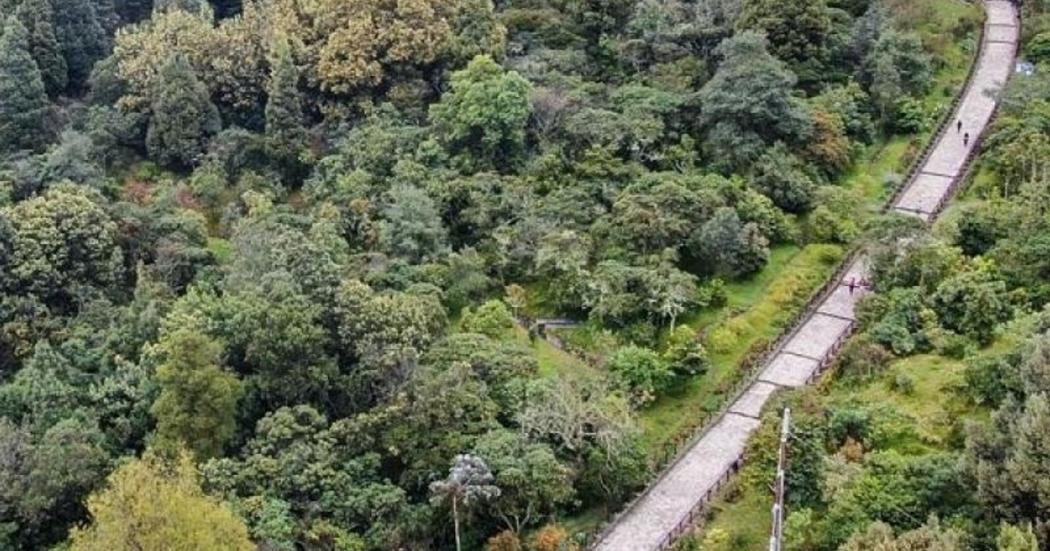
[[897, 66], [198, 399], [285, 123], [1009, 458], [748, 103], [502, 365], [149, 504], [63, 240], [23, 98], [386, 332], [484, 114], [297, 461], [82, 36], [37, 16], [43, 479], [929, 537], [411, 225], [731, 246], [532, 482], [183, 116], [797, 31], [972, 303], [780, 175]]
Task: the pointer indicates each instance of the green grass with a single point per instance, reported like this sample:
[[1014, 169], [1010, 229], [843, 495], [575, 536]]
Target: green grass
[[552, 361], [765, 306], [876, 167], [741, 295], [931, 409]]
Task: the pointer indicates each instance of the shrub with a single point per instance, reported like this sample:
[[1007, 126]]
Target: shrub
[[641, 371], [904, 384], [685, 355], [492, 319]]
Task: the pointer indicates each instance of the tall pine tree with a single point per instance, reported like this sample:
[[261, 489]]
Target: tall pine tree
[[285, 131], [23, 99], [82, 36], [38, 17], [183, 118]]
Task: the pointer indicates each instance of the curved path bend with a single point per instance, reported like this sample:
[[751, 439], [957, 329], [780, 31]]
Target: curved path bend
[[655, 519]]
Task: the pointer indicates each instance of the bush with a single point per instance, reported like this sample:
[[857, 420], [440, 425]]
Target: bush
[[685, 355], [863, 358], [712, 294], [904, 384], [492, 319], [848, 423], [1039, 47], [911, 116], [641, 371]]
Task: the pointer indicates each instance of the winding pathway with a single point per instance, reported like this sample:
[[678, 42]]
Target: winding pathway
[[655, 519]]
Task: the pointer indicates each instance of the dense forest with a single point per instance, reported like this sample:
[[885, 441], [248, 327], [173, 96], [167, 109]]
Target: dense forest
[[934, 431], [269, 269]]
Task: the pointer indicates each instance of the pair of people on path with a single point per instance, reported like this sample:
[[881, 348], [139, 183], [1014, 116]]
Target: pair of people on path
[[966, 136], [853, 284]]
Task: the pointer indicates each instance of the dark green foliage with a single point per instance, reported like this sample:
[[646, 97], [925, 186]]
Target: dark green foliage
[[972, 304], [314, 468], [797, 31], [62, 242], [81, 32], [37, 16], [183, 117], [1008, 458], [732, 247], [24, 109], [778, 175], [748, 104], [45, 477], [285, 124]]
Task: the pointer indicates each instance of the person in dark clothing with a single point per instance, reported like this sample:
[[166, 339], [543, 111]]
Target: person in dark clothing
[[966, 138]]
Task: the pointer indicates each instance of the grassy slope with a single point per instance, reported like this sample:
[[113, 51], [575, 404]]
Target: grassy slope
[[763, 307], [931, 408]]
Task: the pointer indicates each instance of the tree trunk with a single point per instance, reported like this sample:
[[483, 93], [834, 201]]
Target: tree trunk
[[455, 522]]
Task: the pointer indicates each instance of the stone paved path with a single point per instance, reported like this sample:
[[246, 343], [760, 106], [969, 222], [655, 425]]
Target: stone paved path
[[657, 513]]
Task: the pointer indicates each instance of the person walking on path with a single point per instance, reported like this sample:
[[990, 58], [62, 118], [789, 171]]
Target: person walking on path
[[966, 139], [958, 126], [852, 284]]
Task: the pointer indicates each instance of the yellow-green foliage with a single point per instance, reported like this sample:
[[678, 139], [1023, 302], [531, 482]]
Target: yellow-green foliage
[[151, 504]]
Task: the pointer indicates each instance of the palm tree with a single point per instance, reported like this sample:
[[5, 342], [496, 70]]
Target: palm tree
[[469, 481]]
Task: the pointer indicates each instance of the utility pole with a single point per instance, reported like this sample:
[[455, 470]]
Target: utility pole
[[776, 538]]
